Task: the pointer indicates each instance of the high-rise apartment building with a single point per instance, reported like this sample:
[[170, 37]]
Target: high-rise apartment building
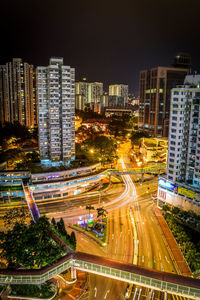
[[92, 91], [184, 133], [120, 90], [154, 95], [17, 93], [181, 185], [56, 112]]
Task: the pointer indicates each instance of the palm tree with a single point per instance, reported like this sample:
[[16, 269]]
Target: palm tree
[[89, 207], [101, 213]]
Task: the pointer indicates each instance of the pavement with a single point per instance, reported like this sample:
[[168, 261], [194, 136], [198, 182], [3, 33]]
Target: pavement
[[171, 242]]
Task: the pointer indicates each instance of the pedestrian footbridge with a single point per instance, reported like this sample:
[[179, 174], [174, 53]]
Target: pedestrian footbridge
[[157, 280]]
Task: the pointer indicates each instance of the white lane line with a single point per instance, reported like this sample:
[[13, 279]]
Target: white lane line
[[112, 236], [167, 260], [142, 258], [152, 219], [95, 292], [139, 293], [160, 256], [154, 260], [106, 294], [135, 294], [161, 267]]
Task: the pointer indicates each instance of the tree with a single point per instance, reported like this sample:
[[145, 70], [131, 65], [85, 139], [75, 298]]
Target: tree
[[175, 210], [61, 227], [33, 156], [166, 208], [73, 240], [101, 212], [15, 215], [53, 222], [104, 148], [30, 246], [89, 208], [136, 136]]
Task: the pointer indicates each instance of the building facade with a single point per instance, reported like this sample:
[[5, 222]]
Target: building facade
[[56, 112], [17, 93], [154, 98], [79, 102], [120, 90], [91, 91], [181, 186], [184, 133]]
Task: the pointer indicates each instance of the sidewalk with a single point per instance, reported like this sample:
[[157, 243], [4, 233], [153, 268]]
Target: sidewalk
[[175, 251]]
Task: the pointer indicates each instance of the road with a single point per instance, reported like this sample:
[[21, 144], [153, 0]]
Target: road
[[153, 252], [121, 240]]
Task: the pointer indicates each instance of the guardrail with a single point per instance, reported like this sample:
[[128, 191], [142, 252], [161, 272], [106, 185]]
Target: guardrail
[[166, 282]]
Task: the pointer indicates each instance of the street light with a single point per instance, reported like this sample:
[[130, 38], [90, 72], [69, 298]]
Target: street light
[[91, 150]]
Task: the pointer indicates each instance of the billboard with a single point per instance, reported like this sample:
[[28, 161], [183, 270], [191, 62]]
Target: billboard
[[166, 184], [188, 193]]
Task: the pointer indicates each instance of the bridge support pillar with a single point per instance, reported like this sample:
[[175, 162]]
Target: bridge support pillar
[[73, 273], [165, 296]]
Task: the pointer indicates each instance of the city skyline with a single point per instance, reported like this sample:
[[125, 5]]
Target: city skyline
[[118, 40], [100, 150]]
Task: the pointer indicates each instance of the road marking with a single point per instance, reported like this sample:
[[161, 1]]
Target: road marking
[[135, 293], [142, 258], [95, 292], [167, 259], [106, 294], [120, 234], [139, 293], [112, 236], [154, 260], [152, 219], [161, 266], [160, 256]]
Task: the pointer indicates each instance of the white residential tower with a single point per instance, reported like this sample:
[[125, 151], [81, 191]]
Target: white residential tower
[[56, 112]]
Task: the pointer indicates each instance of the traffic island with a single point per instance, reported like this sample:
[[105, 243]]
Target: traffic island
[[95, 230]]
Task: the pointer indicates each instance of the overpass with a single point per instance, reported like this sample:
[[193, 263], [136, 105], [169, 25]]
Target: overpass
[[35, 214], [142, 170], [157, 280]]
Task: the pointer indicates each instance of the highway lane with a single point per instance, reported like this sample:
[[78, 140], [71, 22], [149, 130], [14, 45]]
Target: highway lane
[[152, 249], [119, 246], [153, 252]]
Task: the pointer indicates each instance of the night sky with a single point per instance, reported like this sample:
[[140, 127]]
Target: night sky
[[108, 41]]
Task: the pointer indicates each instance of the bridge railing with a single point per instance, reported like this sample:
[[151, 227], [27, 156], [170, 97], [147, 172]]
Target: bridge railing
[[138, 279], [32, 277]]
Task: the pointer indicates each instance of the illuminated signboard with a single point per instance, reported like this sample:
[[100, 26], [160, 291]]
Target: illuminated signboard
[[166, 184], [188, 193], [152, 91]]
